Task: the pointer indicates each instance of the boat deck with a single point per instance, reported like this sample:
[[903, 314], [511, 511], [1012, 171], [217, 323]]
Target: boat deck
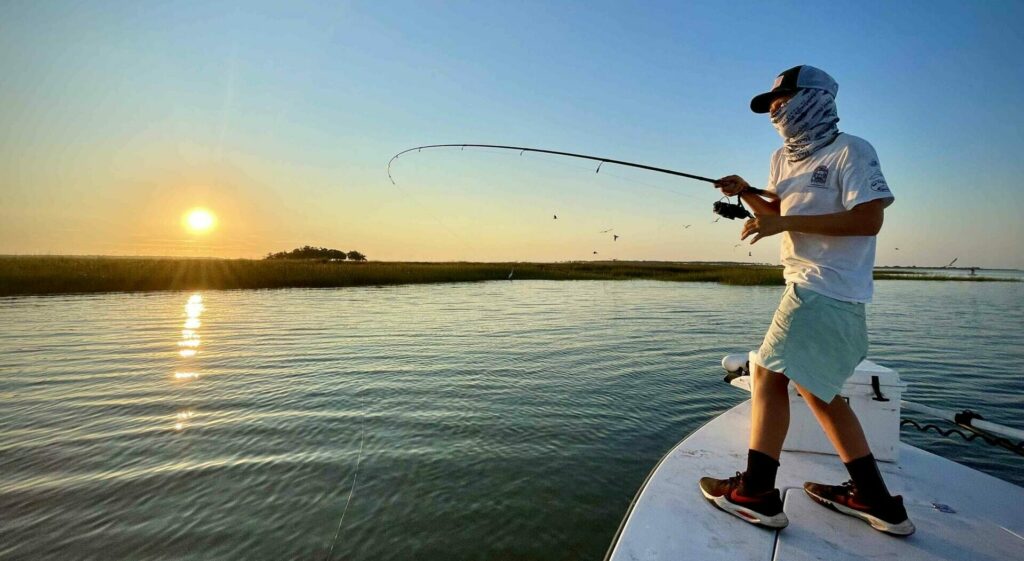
[[961, 514]]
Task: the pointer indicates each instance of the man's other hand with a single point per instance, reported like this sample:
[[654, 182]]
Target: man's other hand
[[762, 226]]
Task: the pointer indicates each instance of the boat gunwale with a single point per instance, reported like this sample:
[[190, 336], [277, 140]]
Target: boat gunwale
[[650, 474]]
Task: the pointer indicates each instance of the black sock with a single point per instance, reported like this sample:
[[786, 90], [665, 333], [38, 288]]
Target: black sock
[[867, 479], [760, 474]]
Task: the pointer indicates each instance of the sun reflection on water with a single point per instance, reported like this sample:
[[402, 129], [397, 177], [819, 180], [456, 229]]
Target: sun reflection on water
[[182, 419], [189, 344]]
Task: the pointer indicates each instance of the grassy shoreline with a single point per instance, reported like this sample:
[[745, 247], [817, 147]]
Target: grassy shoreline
[[36, 275]]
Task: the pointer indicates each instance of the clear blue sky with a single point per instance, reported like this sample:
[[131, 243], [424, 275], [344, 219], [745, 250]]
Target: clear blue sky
[[280, 117]]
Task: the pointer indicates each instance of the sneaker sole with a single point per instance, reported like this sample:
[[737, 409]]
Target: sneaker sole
[[777, 522], [903, 529]]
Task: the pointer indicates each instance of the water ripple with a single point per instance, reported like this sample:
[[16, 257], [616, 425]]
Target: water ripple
[[497, 420]]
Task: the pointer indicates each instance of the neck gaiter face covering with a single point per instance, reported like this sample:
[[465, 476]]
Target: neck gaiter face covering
[[806, 122]]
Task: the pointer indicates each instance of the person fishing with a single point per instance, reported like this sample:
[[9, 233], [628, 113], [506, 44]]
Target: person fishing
[[830, 203]]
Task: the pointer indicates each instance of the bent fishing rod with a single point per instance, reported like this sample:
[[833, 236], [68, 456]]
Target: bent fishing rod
[[724, 209]]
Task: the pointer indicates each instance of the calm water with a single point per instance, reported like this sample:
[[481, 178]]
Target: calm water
[[504, 420]]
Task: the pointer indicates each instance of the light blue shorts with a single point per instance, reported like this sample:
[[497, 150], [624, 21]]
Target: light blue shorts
[[816, 341]]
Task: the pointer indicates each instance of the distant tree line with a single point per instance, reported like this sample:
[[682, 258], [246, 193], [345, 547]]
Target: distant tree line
[[310, 252]]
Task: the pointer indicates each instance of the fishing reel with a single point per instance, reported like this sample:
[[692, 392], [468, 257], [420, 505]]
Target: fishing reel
[[731, 211]]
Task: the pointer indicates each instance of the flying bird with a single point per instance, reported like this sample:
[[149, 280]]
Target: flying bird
[[750, 254], [556, 217], [953, 261], [897, 249], [511, 272], [737, 245], [606, 231], [595, 253], [688, 225], [615, 237]]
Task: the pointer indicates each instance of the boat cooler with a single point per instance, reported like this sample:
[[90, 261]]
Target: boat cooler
[[873, 392]]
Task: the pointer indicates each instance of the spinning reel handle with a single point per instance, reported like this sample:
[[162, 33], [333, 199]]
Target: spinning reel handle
[[734, 211], [731, 211]]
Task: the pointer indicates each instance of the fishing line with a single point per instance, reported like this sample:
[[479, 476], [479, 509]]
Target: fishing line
[[426, 210], [352, 489]]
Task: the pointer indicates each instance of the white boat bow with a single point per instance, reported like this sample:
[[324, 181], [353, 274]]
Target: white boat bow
[[961, 514]]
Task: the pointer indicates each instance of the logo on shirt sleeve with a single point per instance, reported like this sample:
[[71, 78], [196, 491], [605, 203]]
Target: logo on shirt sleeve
[[820, 176], [878, 183]]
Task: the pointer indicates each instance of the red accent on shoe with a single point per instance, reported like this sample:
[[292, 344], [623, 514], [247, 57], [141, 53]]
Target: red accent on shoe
[[856, 505], [736, 497]]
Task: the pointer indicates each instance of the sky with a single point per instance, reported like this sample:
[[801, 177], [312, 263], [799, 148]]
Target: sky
[[280, 118]]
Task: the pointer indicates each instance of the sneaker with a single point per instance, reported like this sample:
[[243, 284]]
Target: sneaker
[[889, 517], [764, 509]]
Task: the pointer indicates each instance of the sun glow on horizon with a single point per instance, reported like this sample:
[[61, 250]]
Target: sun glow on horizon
[[199, 221]]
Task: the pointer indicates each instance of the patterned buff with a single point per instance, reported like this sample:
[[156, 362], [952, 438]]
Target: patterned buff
[[806, 123]]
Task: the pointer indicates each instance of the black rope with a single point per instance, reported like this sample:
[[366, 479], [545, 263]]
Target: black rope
[[1017, 448]]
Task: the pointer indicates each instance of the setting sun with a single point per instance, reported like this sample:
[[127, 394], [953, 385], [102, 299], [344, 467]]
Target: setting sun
[[199, 220]]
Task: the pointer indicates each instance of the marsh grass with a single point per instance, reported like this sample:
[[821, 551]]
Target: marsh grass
[[57, 275], [923, 276]]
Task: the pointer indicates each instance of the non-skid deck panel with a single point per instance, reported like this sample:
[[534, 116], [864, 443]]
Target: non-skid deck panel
[[672, 521], [816, 533]]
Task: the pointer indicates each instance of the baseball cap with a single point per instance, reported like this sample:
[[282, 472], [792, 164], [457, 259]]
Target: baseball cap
[[796, 78]]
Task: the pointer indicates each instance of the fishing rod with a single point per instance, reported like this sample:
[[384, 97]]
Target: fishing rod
[[724, 209]]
